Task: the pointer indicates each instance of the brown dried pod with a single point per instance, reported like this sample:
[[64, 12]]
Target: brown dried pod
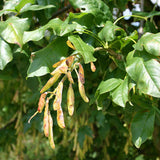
[[81, 74], [58, 97], [46, 119], [41, 105], [81, 89], [69, 75], [93, 67], [70, 60], [70, 100], [51, 139], [50, 82], [41, 102], [60, 118]]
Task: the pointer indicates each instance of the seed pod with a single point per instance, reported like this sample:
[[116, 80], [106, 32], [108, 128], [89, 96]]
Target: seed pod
[[70, 45], [82, 91], [58, 63], [41, 102], [70, 60], [61, 68], [60, 118], [70, 100], [46, 119], [93, 67], [58, 98], [51, 140], [41, 105], [70, 77], [50, 82], [81, 74]]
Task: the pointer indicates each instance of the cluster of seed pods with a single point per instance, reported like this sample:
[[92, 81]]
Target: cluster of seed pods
[[62, 68]]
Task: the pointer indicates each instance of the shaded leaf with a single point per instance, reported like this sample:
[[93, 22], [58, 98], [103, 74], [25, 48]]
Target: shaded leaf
[[46, 57], [85, 130], [85, 50], [151, 43], [5, 54], [142, 127], [145, 72]]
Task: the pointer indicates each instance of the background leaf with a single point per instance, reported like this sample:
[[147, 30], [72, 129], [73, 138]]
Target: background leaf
[[142, 127]]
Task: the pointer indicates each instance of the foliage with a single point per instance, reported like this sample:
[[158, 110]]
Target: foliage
[[113, 110]]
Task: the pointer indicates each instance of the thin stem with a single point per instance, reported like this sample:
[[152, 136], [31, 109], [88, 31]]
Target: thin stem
[[131, 39], [136, 16]]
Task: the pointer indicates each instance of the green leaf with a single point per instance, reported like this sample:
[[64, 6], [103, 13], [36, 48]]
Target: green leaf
[[98, 8], [35, 8], [15, 27], [108, 32], [23, 3], [84, 49], [142, 127], [120, 94], [5, 54], [59, 27], [108, 85], [145, 71], [46, 57], [151, 43]]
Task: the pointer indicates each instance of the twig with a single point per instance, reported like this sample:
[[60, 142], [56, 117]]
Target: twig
[[61, 11]]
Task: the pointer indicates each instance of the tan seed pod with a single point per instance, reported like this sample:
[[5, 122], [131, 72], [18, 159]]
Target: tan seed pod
[[51, 140], [70, 45], [70, 100], [69, 75], [58, 97], [82, 91], [46, 119], [41, 102], [60, 118], [81, 74], [58, 63], [93, 67], [50, 82], [61, 68]]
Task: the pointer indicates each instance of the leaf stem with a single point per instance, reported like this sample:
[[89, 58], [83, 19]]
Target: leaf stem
[[136, 16]]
